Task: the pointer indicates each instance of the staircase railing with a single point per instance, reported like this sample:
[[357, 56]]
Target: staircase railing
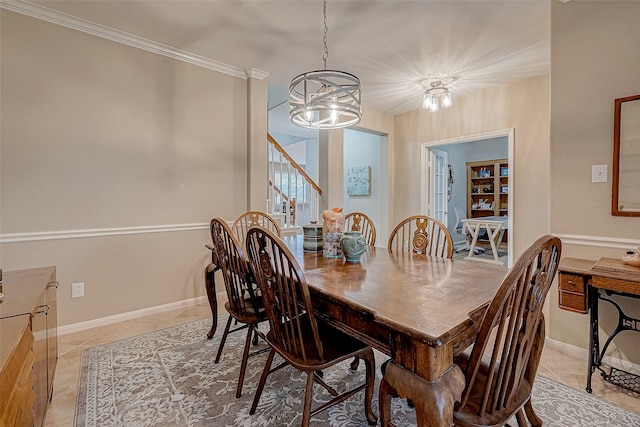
[[292, 192]]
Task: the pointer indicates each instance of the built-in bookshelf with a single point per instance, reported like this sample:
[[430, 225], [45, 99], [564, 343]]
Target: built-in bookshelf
[[487, 188]]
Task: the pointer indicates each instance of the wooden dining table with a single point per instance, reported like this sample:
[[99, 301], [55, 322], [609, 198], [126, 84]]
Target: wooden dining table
[[419, 310]]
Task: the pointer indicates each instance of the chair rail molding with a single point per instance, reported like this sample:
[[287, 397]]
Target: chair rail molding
[[597, 241], [98, 232], [49, 15]]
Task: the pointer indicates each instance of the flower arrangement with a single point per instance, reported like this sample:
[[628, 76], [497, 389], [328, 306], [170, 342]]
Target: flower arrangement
[[332, 220], [332, 226]]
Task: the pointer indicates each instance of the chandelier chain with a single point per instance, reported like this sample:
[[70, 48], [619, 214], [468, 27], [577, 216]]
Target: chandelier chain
[[324, 39], [327, 99]]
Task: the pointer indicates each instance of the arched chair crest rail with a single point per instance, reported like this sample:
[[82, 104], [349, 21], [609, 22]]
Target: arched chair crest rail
[[357, 221], [244, 302], [252, 219], [302, 340], [500, 371], [421, 234]]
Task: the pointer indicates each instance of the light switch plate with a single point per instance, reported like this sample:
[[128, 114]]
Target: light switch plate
[[77, 290], [599, 173]]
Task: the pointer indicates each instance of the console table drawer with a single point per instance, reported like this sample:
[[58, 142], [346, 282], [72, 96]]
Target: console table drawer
[[572, 294], [572, 282], [573, 302]]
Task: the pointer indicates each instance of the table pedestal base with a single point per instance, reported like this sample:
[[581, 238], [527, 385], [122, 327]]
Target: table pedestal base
[[433, 400]]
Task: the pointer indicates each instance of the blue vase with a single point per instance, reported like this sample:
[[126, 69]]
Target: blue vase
[[353, 245]]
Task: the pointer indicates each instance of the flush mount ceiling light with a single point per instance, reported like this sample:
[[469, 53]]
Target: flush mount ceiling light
[[325, 99], [436, 95]]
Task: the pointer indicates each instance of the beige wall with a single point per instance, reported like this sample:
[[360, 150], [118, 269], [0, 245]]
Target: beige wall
[[97, 135], [523, 106], [594, 59]]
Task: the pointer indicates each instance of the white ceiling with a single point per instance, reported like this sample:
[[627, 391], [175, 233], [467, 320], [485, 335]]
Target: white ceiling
[[390, 45]]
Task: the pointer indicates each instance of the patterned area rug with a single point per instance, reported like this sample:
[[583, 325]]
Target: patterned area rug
[[168, 378]]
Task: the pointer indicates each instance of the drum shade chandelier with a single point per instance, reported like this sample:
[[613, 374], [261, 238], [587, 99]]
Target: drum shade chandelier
[[325, 99], [435, 96]]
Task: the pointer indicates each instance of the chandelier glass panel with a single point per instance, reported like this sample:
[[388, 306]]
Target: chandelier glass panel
[[325, 99]]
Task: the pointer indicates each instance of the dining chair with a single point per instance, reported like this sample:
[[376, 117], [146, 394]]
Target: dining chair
[[501, 368], [357, 221], [244, 302], [421, 234], [251, 219], [300, 338]]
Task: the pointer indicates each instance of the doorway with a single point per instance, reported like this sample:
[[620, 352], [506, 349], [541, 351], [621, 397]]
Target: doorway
[[440, 203], [363, 149]]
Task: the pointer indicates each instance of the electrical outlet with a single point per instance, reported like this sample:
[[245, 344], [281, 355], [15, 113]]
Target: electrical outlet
[[77, 290]]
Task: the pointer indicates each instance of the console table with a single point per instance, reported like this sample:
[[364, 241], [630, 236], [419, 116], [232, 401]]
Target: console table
[[583, 283], [28, 345]]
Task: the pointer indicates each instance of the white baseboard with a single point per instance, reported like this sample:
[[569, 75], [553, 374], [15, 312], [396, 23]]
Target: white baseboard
[[583, 354], [103, 321]]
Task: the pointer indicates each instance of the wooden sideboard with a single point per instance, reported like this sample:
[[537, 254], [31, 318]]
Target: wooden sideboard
[[583, 283], [28, 345]]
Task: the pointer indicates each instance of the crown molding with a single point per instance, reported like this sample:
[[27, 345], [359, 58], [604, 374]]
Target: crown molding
[[49, 15], [254, 73]]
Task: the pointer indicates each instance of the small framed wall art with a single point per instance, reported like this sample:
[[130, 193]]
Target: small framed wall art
[[358, 181]]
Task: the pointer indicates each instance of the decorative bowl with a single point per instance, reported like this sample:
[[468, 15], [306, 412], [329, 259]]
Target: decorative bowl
[[632, 257]]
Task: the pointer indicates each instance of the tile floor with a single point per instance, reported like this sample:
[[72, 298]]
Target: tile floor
[[557, 366]]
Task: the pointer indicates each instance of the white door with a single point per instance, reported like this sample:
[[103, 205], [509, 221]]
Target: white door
[[438, 179]]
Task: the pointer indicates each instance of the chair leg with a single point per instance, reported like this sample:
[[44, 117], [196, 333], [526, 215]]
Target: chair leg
[[308, 395], [355, 363], [223, 339], [521, 419], [243, 364], [263, 380], [531, 415], [370, 366]]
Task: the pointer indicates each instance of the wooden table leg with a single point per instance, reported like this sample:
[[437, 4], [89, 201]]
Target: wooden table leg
[[474, 230], [594, 337], [433, 400], [210, 286]]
